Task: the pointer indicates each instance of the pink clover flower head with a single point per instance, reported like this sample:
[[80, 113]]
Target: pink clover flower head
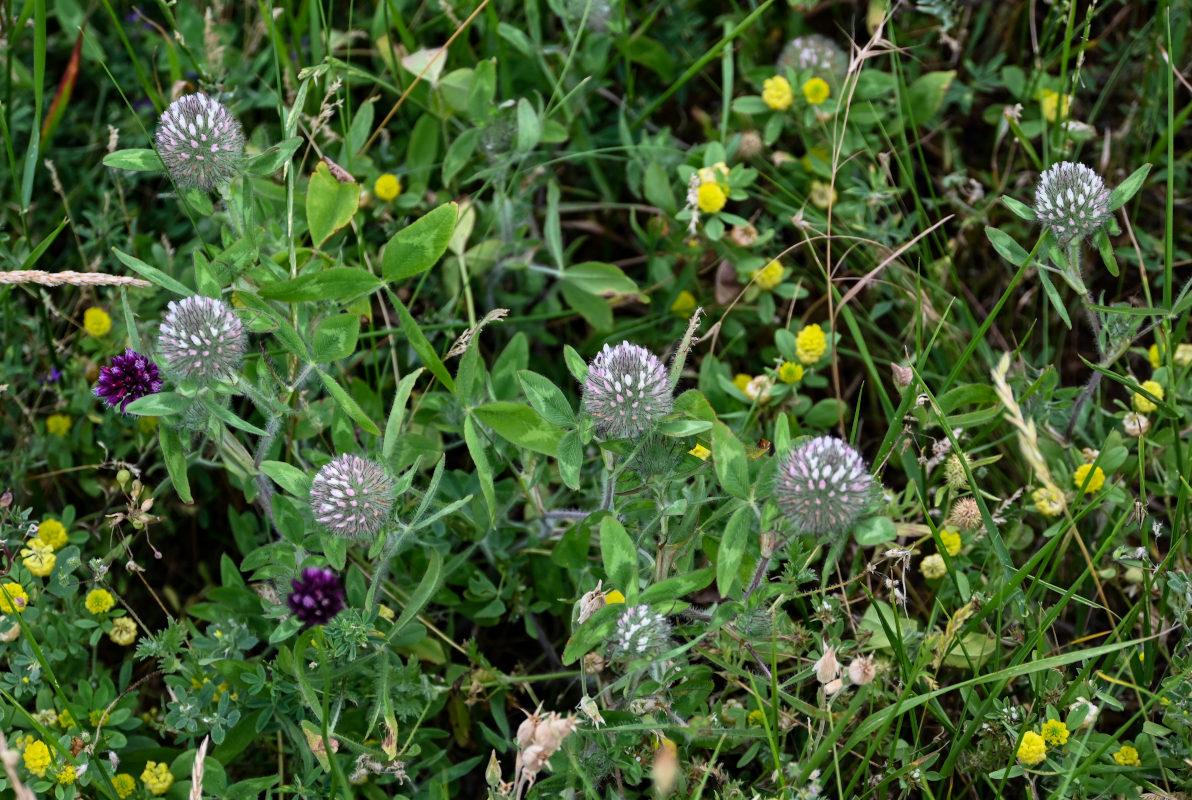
[[351, 497], [627, 391], [130, 377], [201, 338], [823, 486], [200, 142], [1072, 201], [317, 596]]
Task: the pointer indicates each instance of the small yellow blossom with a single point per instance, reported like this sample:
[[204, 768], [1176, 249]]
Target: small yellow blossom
[[37, 758], [386, 613], [741, 380], [1031, 749], [21, 741], [951, 542], [790, 372], [1053, 108], [38, 557], [816, 91], [614, 596], [933, 567], [66, 720], [157, 777], [66, 775], [711, 197], [822, 195], [12, 597], [1142, 403], [1155, 355], [768, 276], [1127, 756], [99, 600], [684, 304], [96, 322], [756, 718], [124, 784], [1095, 482], [53, 533], [387, 187], [123, 632], [1048, 501], [714, 174], [777, 93], [700, 452], [58, 424], [1055, 733], [811, 344]]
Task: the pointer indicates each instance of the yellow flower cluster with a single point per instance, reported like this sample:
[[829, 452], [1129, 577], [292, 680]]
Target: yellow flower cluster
[[769, 276], [38, 557], [1095, 481], [123, 632], [96, 322], [387, 187], [816, 91], [53, 533], [99, 601], [777, 93], [933, 567], [1127, 756], [1055, 733], [13, 597], [1048, 501], [66, 775], [124, 784], [1055, 106], [1144, 404], [951, 542], [58, 424], [790, 372], [811, 344], [1031, 749], [157, 778], [37, 758], [711, 197]]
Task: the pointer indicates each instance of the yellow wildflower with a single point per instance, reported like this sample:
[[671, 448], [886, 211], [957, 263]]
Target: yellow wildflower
[[124, 784], [1095, 482], [157, 777], [790, 372], [1055, 733], [714, 173], [1055, 106], [38, 557], [13, 597], [822, 195], [614, 596], [756, 718], [933, 567], [777, 93], [700, 452], [711, 197], [123, 632], [768, 276], [1144, 404], [811, 344], [1048, 501], [99, 600], [951, 542], [816, 91], [66, 720], [58, 424], [37, 758], [387, 187], [1127, 756], [1031, 750], [741, 380], [684, 303], [66, 775], [53, 533], [96, 322], [1155, 355]]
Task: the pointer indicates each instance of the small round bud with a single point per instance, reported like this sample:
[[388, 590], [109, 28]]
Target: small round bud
[[200, 142], [123, 477], [750, 145]]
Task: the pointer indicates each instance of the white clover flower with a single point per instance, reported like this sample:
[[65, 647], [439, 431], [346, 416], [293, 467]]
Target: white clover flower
[[1072, 201], [640, 632], [202, 339], [627, 391], [823, 486], [200, 142], [351, 496], [814, 52]]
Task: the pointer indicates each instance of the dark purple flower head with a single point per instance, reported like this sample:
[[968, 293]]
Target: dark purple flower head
[[53, 376], [130, 376], [317, 596]]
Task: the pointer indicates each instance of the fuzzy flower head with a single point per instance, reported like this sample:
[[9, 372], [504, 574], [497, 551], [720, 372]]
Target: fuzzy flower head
[[1031, 749], [351, 496], [123, 632], [38, 557], [157, 777], [99, 601], [202, 339], [1091, 483], [823, 486], [934, 567], [1048, 500], [640, 633], [811, 344], [965, 514], [711, 197], [1144, 404], [130, 377], [815, 52], [317, 596], [200, 142], [37, 758], [769, 276], [627, 391], [13, 598], [96, 322], [777, 93], [1072, 201], [1055, 733], [387, 187], [124, 784], [816, 91]]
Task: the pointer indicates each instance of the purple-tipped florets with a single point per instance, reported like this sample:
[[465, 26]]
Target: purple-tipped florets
[[351, 496], [202, 339], [200, 142], [1071, 201], [640, 633], [627, 391], [823, 486], [317, 596], [130, 377]]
